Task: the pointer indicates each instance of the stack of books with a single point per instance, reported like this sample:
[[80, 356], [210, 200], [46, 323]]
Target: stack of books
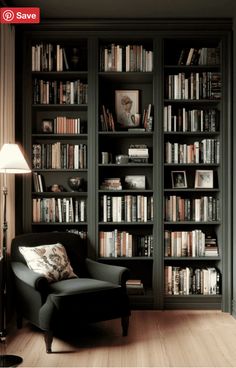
[[134, 287], [211, 248], [111, 184], [138, 153]]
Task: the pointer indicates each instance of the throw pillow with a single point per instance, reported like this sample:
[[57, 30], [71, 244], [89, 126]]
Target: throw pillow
[[49, 260]]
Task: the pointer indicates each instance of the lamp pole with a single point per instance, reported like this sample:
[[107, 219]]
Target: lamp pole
[[3, 329], [12, 161]]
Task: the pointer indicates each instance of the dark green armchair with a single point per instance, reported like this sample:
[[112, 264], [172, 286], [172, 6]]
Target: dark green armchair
[[97, 294]]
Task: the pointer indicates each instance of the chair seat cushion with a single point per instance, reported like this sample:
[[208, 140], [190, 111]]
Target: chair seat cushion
[[82, 300], [80, 286]]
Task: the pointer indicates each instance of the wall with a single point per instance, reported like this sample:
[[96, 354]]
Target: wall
[[234, 176]]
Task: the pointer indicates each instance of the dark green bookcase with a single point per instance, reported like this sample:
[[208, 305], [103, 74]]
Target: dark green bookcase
[[166, 39]]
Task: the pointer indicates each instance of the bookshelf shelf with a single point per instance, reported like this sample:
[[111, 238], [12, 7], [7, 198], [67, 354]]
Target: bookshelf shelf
[[191, 164], [196, 223], [138, 223], [127, 165], [200, 134], [61, 74], [126, 134], [125, 259], [195, 101], [60, 106], [61, 136], [59, 194], [60, 170], [128, 191], [131, 77], [59, 224], [193, 67], [188, 259], [187, 190]]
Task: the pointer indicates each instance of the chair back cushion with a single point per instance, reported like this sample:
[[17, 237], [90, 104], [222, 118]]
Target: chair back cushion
[[75, 247], [50, 260]]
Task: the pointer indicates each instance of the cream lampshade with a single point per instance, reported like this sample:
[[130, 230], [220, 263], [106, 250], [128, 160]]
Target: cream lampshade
[[12, 160]]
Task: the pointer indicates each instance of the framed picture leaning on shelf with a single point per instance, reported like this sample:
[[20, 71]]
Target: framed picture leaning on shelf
[[204, 179], [47, 126], [127, 108], [178, 179]]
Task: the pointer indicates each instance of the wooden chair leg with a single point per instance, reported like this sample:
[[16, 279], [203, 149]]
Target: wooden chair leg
[[48, 337], [125, 325]]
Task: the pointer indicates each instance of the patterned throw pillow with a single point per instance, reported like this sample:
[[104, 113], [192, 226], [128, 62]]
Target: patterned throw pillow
[[49, 260]]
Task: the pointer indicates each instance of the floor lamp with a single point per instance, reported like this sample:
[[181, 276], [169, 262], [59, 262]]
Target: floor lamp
[[12, 161]]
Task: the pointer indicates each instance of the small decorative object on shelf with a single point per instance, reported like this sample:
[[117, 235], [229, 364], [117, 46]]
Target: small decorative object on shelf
[[56, 188], [204, 179], [127, 108], [122, 159], [179, 179], [75, 58], [76, 183]]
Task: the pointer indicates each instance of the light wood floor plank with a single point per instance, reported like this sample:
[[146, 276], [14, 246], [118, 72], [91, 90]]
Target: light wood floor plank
[[156, 339]]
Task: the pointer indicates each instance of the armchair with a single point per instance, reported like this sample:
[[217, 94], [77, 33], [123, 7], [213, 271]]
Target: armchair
[[97, 294]]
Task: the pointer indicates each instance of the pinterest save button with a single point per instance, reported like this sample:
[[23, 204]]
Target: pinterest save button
[[19, 15]]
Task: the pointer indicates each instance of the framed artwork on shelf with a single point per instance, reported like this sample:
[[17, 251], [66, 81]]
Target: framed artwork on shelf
[[127, 108], [47, 126], [135, 181], [179, 179], [204, 179]]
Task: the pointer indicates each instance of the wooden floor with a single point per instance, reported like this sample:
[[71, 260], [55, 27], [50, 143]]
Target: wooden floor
[[156, 339]]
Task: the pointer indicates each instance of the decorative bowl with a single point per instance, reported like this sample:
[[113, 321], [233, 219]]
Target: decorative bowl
[[76, 183]]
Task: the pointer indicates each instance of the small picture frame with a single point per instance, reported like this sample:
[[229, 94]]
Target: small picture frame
[[135, 182], [178, 179], [127, 108], [47, 126], [203, 179]]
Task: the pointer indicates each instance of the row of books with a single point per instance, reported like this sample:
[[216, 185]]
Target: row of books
[[129, 58], [81, 233], [59, 156], [206, 151], [188, 280], [205, 208], [59, 92], [199, 56], [196, 120], [127, 208], [49, 57], [205, 85], [63, 125], [193, 243], [118, 243], [53, 210], [38, 182]]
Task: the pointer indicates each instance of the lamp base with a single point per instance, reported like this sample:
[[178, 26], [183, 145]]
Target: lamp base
[[10, 360]]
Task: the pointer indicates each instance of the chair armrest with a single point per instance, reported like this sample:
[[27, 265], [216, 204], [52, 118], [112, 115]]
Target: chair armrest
[[29, 277], [101, 271]]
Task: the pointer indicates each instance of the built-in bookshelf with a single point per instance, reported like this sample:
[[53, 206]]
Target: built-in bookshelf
[[192, 133], [58, 136], [125, 161], [129, 131]]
